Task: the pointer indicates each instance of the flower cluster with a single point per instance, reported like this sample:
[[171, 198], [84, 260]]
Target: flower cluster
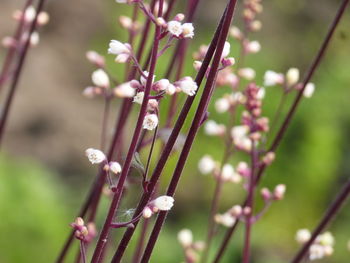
[[321, 247], [161, 203], [190, 247], [27, 17], [85, 233]]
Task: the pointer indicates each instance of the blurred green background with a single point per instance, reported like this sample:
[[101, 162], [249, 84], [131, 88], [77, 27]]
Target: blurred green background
[[44, 174]]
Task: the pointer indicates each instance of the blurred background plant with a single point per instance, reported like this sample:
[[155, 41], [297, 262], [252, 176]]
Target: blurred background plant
[[44, 173]]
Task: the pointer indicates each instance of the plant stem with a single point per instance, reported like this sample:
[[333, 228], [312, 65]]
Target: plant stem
[[13, 48], [290, 114], [327, 218], [18, 71], [104, 130], [82, 251], [201, 110], [126, 167], [169, 145], [250, 204]]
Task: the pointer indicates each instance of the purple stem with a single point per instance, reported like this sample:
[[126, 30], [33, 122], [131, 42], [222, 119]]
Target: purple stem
[[201, 110], [290, 114], [18, 71], [12, 50], [327, 218], [250, 204], [169, 146], [126, 167]]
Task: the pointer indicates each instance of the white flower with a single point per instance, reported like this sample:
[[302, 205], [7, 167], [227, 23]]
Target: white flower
[[175, 28], [222, 105], [213, 129], [325, 239], [144, 77], [95, 58], [316, 252], [247, 73], [272, 78], [163, 203], [188, 86], [29, 14], [139, 97], [34, 38], [171, 89], [226, 219], [292, 76], [235, 32], [185, 237], [43, 18], [188, 30], [302, 236], [147, 212], [161, 85], [115, 167], [226, 50], [125, 90], [206, 164], [95, 156], [100, 78], [150, 122], [279, 191], [239, 131], [253, 47], [309, 90], [122, 1], [261, 93], [116, 48]]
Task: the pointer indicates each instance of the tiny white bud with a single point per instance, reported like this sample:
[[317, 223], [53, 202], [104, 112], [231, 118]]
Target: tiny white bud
[[214, 129], [124, 90], [226, 219], [116, 48], [272, 78], [144, 77], [185, 237], [188, 30], [43, 18], [253, 47], [309, 90], [279, 191], [206, 164], [115, 167], [222, 105], [171, 89], [226, 50], [316, 252], [302, 236], [175, 28], [100, 78], [150, 122], [247, 73], [292, 76], [188, 86], [163, 203], [95, 156], [147, 212]]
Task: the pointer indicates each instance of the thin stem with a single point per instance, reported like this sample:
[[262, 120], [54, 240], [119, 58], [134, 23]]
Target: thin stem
[[290, 114], [82, 251], [201, 110], [13, 48], [169, 144], [104, 130], [18, 71], [250, 204], [217, 192], [120, 186]]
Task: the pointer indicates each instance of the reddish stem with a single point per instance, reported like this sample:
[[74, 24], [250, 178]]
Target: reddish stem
[[201, 110], [290, 114], [18, 71]]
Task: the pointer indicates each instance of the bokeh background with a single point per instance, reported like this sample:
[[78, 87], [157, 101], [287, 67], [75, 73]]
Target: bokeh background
[[44, 174]]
